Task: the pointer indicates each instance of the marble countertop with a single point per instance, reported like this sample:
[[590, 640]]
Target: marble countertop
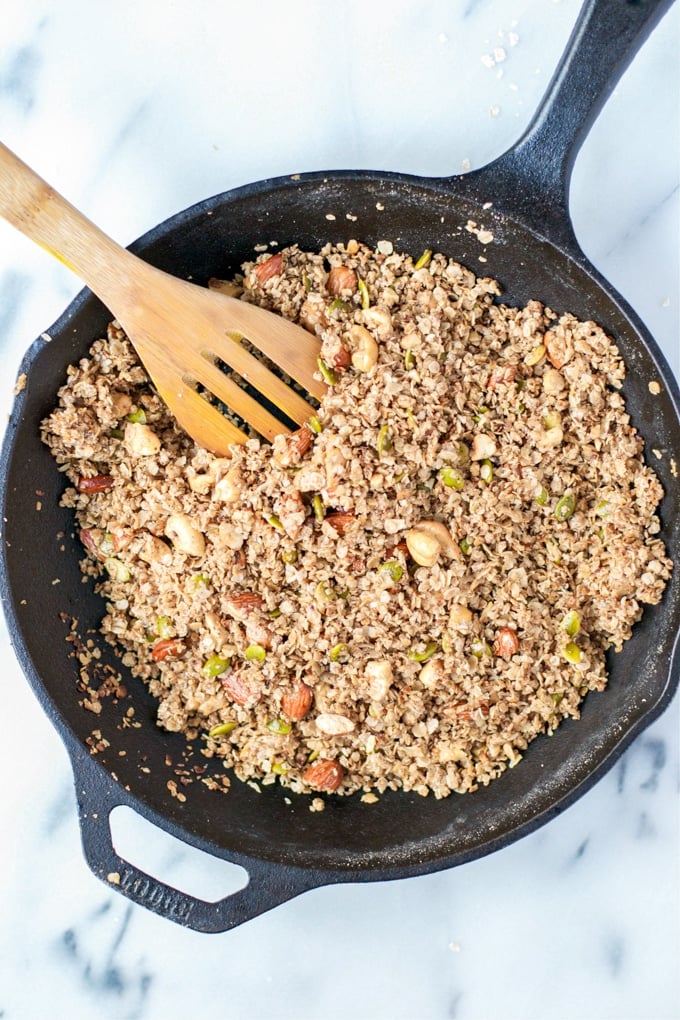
[[137, 110]]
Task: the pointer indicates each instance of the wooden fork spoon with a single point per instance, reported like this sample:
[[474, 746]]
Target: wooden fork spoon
[[180, 331]]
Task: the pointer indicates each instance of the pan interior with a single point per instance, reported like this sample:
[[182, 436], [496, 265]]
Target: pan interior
[[44, 589]]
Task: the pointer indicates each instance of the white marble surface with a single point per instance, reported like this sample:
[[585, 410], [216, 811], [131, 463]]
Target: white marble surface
[[136, 110]]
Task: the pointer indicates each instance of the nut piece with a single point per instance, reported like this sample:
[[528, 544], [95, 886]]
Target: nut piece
[[184, 535], [297, 701], [506, 643], [335, 467], [273, 266], [550, 438], [96, 483], [292, 513], [340, 520], [459, 616], [259, 633], [365, 349], [333, 724], [427, 540], [324, 775], [431, 673], [155, 551], [121, 403], [166, 648], [341, 278], [242, 603], [378, 319], [217, 631], [423, 547], [288, 450], [558, 346], [227, 488], [483, 447], [501, 375], [553, 381], [140, 440], [335, 353], [535, 356], [203, 481], [243, 688], [313, 313], [380, 676], [244, 606]]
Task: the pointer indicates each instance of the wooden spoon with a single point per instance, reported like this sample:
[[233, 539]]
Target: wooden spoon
[[179, 330]]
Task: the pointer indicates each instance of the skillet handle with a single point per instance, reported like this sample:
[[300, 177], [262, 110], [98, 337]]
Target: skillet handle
[[532, 178], [268, 884]]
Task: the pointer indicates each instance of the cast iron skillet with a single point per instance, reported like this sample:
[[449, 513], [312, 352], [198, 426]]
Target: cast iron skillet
[[284, 847]]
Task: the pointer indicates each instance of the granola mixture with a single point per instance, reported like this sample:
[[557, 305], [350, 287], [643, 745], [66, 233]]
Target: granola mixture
[[405, 592]]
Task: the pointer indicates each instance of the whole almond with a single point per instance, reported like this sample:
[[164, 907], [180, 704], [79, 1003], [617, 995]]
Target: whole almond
[[97, 483], [242, 603], [166, 648], [506, 643], [273, 266], [324, 775], [341, 278], [340, 520], [297, 701]]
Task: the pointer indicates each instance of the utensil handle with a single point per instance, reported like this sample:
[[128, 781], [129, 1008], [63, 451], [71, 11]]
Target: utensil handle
[[46, 217], [533, 177], [268, 884]]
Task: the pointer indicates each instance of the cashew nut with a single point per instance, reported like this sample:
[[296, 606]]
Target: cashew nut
[[140, 440], [427, 540], [483, 447], [184, 535], [380, 676], [365, 349]]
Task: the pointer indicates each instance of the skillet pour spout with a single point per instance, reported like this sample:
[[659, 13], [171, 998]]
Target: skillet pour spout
[[284, 848]]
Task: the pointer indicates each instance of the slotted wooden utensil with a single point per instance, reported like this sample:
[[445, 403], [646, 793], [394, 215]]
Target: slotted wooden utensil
[[180, 331]]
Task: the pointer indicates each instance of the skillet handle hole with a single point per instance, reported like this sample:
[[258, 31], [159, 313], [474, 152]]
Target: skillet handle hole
[[171, 861]]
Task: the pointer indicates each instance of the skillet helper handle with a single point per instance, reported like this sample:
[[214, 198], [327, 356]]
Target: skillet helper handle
[[535, 173], [268, 885]]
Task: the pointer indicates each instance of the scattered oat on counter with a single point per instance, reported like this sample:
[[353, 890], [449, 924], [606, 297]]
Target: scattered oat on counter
[[406, 591]]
